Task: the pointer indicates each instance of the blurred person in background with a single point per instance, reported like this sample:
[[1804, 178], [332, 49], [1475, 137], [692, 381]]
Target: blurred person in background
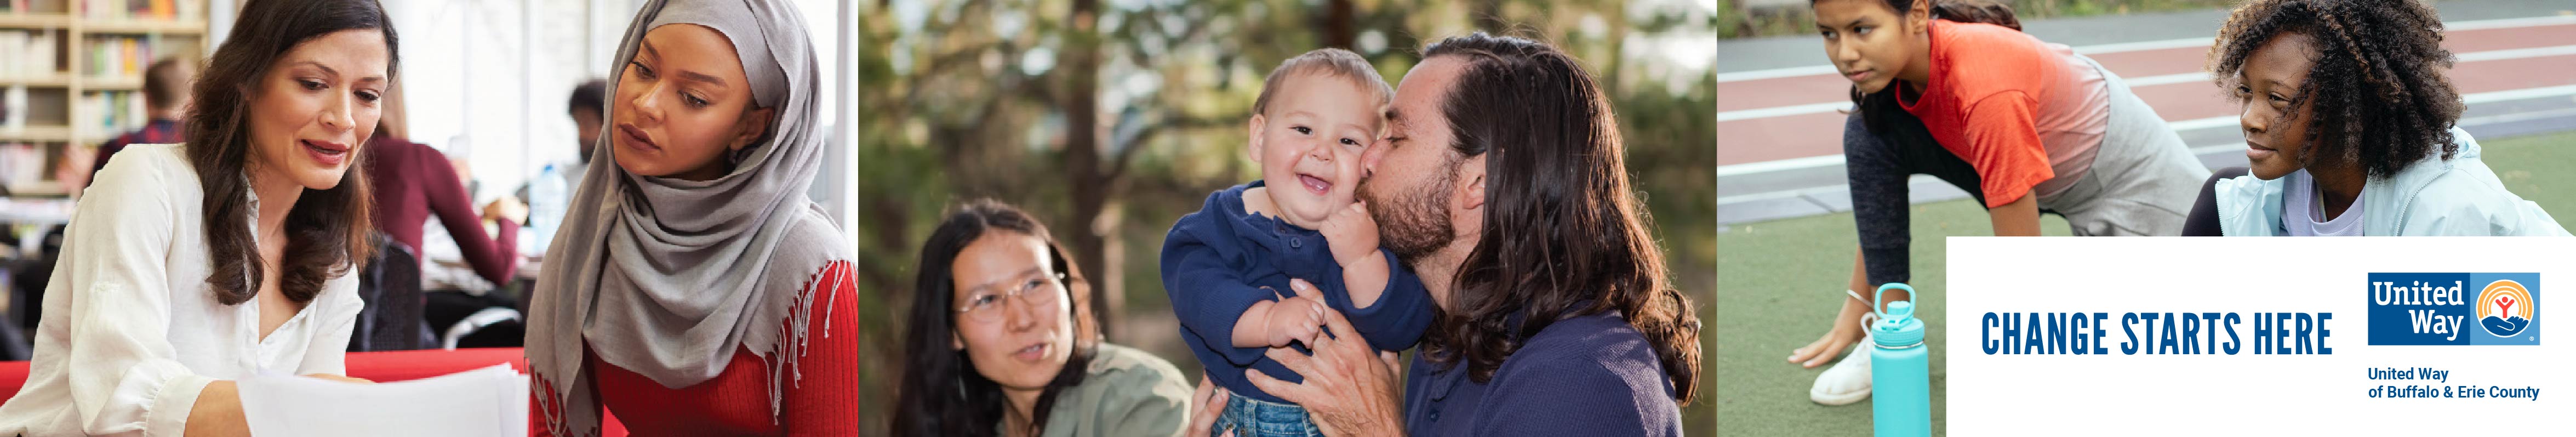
[[165, 96], [549, 193], [413, 181]]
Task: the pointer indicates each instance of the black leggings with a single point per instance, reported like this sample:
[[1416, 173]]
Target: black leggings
[[1878, 165]]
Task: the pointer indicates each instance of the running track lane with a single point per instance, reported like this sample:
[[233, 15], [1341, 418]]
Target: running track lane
[[2184, 94]]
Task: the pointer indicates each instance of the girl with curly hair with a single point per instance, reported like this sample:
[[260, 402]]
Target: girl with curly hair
[[2348, 123]]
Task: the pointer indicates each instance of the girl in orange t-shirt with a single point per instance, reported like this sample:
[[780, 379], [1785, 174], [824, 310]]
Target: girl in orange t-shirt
[[1953, 89]]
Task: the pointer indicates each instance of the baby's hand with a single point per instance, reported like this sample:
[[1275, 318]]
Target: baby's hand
[[1294, 319], [1352, 232]]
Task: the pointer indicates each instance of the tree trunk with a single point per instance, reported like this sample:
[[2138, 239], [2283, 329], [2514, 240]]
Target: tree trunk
[[1085, 172], [1339, 26], [1610, 68]]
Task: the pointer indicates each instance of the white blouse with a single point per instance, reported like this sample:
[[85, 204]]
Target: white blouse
[[132, 332]]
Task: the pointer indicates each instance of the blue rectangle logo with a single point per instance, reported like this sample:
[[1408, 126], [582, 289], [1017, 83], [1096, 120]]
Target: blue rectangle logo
[[2454, 309]]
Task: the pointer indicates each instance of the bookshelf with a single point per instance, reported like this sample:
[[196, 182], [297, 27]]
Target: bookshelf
[[71, 78]]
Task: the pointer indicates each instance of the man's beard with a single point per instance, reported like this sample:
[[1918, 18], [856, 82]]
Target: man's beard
[[1415, 222]]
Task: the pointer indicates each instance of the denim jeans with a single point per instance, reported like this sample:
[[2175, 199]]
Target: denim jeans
[[1250, 417]]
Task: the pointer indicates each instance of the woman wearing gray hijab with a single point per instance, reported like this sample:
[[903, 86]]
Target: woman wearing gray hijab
[[693, 286]]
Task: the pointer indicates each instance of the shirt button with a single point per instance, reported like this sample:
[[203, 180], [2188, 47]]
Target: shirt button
[[1294, 243]]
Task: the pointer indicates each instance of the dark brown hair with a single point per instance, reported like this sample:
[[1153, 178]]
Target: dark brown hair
[[327, 230], [165, 83], [2380, 97], [942, 395], [1876, 108], [1557, 179], [1969, 11], [590, 95]]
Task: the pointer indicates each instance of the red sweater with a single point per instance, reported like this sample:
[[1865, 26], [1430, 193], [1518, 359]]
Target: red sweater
[[821, 400], [413, 181]]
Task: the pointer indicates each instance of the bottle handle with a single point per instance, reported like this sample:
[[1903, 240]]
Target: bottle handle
[[1878, 303]]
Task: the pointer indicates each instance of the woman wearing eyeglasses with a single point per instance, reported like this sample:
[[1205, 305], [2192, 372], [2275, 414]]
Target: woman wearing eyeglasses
[[1002, 342]]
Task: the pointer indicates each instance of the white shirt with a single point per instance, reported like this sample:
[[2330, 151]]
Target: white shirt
[[132, 332], [2305, 214]]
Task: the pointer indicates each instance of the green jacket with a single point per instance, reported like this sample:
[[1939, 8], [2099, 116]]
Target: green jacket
[[2435, 197], [1127, 393]]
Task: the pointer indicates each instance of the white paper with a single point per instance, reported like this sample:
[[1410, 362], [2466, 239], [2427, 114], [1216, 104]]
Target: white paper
[[490, 401]]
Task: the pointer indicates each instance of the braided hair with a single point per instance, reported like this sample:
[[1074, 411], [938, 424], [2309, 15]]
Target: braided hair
[[2379, 96]]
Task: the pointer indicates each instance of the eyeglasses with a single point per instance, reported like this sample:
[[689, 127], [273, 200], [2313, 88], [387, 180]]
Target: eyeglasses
[[1040, 290]]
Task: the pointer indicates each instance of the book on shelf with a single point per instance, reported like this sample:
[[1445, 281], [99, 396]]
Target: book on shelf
[[119, 57], [13, 47], [13, 109], [187, 10], [105, 114], [30, 54], [22, 165]]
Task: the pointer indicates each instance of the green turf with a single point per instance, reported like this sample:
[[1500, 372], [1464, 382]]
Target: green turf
[[1779, 283], [2530, 162]]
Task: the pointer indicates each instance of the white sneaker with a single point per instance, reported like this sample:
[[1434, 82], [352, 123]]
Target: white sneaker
[[1847, 381]]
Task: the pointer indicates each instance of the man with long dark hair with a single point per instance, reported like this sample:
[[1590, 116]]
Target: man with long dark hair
[[1559, 321]]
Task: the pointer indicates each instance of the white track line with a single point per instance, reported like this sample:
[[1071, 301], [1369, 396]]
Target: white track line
[[2201, 123], [1803, 192], [1779, 165], [2140, 46], [1782, 111], [2195, 151], [2525, 93], [1775, 73], [2168, 79], [2531, 52], [2502, 23], [2178, 126]]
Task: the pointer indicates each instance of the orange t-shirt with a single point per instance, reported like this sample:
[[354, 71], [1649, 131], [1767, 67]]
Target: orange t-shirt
[[2028, 115]]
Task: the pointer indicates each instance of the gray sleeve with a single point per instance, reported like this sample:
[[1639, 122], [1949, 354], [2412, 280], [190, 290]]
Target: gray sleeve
[[1137, 394]]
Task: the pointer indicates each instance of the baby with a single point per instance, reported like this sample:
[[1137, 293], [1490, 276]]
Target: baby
[[1227, 266]]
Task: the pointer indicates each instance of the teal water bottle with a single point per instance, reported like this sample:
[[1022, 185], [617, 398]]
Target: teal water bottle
[[1900, 368]]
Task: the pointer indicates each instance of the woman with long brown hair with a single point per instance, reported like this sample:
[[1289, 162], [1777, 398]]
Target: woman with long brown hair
[[188, 266], [1001, 343]]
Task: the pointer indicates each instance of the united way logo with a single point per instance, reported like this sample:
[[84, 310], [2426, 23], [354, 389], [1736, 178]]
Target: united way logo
[[2505, 308], [2454, 309]]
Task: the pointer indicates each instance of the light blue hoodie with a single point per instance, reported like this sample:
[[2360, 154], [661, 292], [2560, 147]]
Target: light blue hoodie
[[2435, 197]]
